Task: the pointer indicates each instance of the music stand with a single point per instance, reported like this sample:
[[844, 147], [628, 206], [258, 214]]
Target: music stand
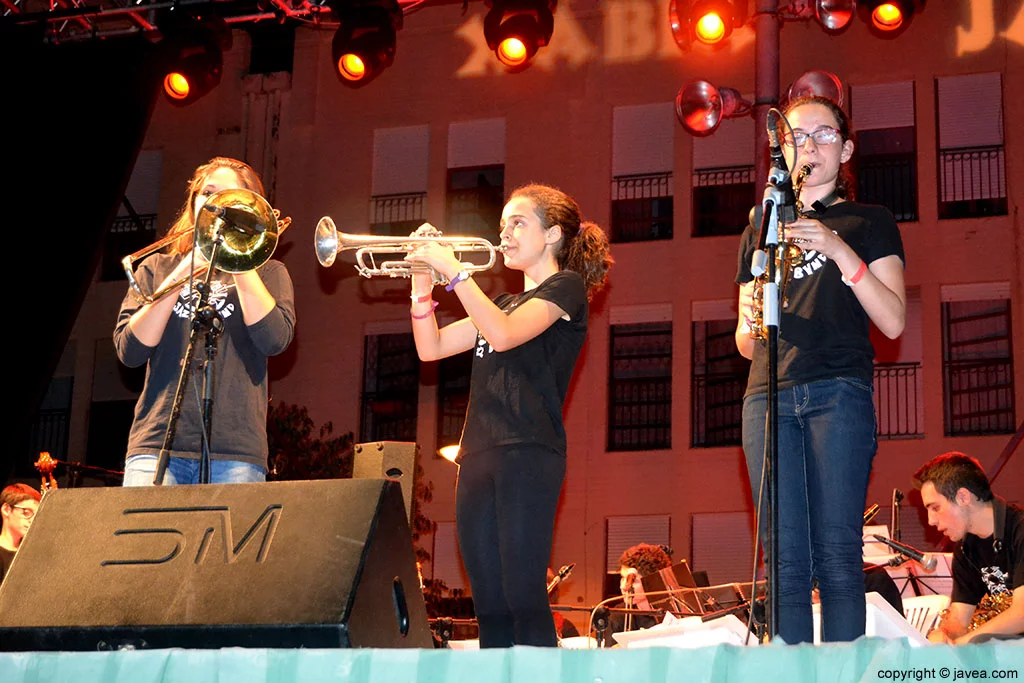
[[675, 578]]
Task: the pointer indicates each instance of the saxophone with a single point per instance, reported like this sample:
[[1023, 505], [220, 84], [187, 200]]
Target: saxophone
[[787, 257], [990, 606]]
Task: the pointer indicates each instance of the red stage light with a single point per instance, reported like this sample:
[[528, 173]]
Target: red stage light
[[710, 28], [887, 17], [176, 86]]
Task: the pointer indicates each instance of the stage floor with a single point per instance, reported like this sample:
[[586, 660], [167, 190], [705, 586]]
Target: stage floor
[[867, 660]]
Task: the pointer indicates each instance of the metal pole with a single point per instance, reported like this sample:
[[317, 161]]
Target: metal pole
[[766, 96]]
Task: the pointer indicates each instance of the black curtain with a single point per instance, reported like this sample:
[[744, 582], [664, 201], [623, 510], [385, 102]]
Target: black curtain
[[73, 121]]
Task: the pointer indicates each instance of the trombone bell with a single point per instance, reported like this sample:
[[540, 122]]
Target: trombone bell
[[242, 247]]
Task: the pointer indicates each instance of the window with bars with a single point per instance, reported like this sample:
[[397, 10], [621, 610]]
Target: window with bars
[[51, 427], [887, 170], [977, 358], [642, 207], [722, 198], [972, 164], [127, 235], [476, 197], [397, 214], [452, 397], [898, 400], [719, 376], [640, 396], [391, 382]]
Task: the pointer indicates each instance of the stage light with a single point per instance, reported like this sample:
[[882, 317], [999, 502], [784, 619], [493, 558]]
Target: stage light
[[700, 107], [365, 42], [834, 15], [516, 29], [195, 53], [450, 452], [711, 21], [888, 18], [817, 84]]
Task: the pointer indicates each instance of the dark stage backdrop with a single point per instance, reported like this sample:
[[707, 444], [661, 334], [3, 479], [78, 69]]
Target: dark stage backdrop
[[73, 118]]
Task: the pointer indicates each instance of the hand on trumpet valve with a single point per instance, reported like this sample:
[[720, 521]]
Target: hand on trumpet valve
[[439, 257]]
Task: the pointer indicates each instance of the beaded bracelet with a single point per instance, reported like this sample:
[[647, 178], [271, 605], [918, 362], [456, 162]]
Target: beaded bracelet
[[429, 313]]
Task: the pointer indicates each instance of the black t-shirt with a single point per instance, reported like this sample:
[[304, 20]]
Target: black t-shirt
[[980, 569], [6, 557], [823, 333], [516, 396]]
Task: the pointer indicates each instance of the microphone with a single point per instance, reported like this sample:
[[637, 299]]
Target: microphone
[[927, 561], [238, 219], [780, 169], [870, 513]]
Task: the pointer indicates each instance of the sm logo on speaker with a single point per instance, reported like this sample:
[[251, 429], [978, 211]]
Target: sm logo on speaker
[[154, 541]]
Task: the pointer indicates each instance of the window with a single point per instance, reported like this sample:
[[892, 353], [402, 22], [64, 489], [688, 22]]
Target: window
[[399, 185], [886, 147], [719, 375], [397, 214], [391, 381], [452, 397], [722, 200], [624, 532], [52, 425], [642, 138], [723, 179], [977, 358], [898, 380], [476, 197], [476, 177], [640, 395], [134, 228], [972, 165]]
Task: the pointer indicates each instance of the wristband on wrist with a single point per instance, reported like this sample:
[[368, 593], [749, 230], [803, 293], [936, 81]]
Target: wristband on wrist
[[461, 277], [856, 276], [433, 305], [421, 299]]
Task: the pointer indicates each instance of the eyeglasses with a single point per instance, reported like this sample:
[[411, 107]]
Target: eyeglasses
[[28, 513], [822, 136]]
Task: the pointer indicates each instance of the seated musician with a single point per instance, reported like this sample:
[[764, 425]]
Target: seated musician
[[634, 564], [18, 505], [988, 560]]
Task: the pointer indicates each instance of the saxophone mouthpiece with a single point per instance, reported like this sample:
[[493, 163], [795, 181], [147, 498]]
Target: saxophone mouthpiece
[[805, 170]]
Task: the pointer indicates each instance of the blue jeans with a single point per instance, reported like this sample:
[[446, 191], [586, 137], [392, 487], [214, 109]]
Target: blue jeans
[[139, 470], [826, 444]]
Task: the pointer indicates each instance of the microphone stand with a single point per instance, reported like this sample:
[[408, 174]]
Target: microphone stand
[[778, 195], [205, 318]]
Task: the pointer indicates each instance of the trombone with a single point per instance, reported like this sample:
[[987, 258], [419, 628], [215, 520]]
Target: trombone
[[329, 241], [244, 223]]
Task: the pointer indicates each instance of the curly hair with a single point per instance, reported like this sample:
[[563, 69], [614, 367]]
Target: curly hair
[[186, 219], [845, 183], [953, 471], [584, 248], [645, 558]]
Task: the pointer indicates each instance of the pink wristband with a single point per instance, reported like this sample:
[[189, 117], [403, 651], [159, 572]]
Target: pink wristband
[[421, 299], [429, 313]]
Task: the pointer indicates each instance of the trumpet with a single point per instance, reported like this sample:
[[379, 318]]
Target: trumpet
[[787, 257], [241, 220], [329, 241]]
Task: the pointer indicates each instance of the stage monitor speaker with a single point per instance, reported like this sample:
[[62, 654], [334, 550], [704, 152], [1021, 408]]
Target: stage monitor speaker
[[280, 564], [391, 460]]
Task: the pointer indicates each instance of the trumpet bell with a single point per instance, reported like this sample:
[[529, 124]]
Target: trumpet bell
[[326, 241], [249, 230]]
